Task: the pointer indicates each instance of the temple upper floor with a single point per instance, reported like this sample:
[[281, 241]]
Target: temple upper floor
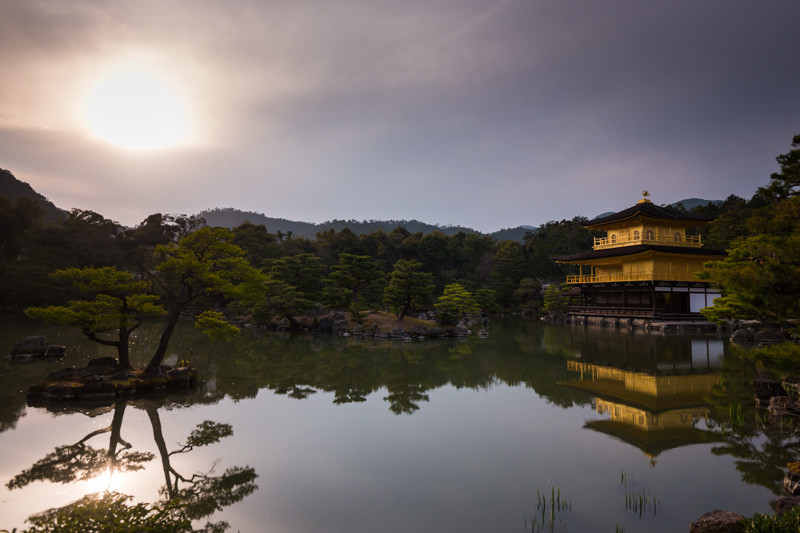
[[644, 234], [646, 223]]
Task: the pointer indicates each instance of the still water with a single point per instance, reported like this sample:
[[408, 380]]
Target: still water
[[537, 428]]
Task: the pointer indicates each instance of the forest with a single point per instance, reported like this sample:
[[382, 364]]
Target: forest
[[398, 270], [320, 270]]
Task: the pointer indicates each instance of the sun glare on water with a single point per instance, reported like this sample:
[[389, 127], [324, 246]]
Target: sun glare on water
[[136, 109]]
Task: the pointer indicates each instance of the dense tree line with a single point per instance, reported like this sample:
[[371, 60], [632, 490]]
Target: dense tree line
[[337, 269]]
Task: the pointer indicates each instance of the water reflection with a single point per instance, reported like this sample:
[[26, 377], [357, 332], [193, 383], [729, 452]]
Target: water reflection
[[651, 412], [342, 405], [652, 389], [184, 498]]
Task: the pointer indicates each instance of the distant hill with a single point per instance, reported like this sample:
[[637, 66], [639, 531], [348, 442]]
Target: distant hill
[[229, 217], [688, 204], [14, 189], [691, 203], [513, 234]]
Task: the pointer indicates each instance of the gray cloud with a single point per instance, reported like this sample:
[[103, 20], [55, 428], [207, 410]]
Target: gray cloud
[[480, 113]]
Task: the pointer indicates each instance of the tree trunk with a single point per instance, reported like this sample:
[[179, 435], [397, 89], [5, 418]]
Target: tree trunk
[[123, 349], [158, 436], [174, 316]]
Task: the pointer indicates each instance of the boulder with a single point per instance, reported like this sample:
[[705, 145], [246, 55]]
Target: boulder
[[718, 521], [56, 350], [398, 332], [743, 335], [765, 390], [786, 503], [791, 482], [35, 346], [181, 377], [770, 336], [461, 330], [418, 331]]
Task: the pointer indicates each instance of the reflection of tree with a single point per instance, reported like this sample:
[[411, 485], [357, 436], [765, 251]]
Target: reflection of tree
[[406, 383], [109, 512], [202, 494], [760, 449], [79, 461], [185, 498]]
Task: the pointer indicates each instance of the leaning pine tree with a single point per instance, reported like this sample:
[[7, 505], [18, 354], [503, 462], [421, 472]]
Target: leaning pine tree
[[201, 268], [112, 301]]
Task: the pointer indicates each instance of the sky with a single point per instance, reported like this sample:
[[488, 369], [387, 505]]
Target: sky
[[479, 113]]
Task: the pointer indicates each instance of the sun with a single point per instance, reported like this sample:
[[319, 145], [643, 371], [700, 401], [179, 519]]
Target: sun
[[137, 109]]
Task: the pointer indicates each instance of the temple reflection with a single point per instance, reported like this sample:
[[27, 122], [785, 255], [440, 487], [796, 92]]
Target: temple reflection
[[658, 409]]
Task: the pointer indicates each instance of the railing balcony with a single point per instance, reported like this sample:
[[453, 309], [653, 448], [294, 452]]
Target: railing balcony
[[630, 276], [667, 239]]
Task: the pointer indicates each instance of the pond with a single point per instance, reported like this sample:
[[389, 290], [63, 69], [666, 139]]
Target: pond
[[535, 428]]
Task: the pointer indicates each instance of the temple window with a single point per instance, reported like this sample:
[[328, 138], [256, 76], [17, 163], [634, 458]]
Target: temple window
[[613, 238], [649, 235], [636, 235], [677, 237]]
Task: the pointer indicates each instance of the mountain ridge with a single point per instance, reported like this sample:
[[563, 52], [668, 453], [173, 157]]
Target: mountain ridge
[[13, 188], [230, 217]]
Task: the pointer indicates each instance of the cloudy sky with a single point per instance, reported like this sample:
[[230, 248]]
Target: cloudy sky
[[481, 113]]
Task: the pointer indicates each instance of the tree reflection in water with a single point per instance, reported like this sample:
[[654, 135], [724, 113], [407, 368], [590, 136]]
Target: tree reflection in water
[[183, 498], [761, 445]]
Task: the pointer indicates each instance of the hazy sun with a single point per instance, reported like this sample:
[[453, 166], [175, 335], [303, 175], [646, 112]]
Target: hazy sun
[[137, 109]]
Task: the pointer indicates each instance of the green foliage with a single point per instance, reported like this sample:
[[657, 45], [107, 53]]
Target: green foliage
[[760, 278], [788, 522], [786, 183], [408, 288], [487, 300], [555, 239], [783, 358], [528, 293], [276, 298], [455, 302], [200, 268], [17, 219], [508, 269], [116, 301], [215, 326], [357, 316], [357, 276], [258, 244], [304, 272], [555, 298], [204, 263], [207, 432], [109, 512]]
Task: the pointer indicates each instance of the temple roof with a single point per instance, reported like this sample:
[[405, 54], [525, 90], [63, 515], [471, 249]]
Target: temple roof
[[648, 209], [622, 251]]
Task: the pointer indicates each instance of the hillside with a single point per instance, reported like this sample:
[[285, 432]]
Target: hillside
[[14, 189], [229, 217]]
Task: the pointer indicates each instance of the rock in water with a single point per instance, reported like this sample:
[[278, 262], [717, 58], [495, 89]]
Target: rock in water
[[718, 522]]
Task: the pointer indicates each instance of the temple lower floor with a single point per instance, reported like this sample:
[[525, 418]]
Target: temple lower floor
[[653, 300]]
